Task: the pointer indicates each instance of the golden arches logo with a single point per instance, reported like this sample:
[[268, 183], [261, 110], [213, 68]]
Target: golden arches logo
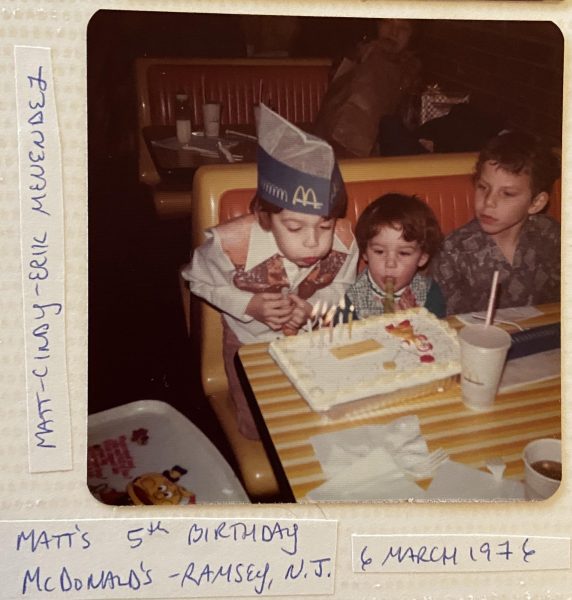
[[306, 198]]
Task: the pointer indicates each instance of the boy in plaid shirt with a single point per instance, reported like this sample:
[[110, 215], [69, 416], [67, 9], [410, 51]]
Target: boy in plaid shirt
[[397, 235]]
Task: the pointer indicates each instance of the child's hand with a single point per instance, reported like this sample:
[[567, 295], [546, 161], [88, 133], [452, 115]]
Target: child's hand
[[300, 314], [273, 309], [407, 300]]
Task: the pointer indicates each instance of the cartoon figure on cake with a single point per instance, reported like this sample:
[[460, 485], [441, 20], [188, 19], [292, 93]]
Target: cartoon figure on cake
[[404, 330], [160, 488], [396, 235], [294, 239]]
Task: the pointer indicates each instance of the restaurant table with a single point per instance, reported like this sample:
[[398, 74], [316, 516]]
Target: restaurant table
[[176, 165], [287, 422]]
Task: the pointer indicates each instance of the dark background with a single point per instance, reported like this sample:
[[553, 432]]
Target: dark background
[[138, 346]]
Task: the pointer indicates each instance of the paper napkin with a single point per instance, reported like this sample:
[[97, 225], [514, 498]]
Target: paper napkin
[[367, 463], [455, 481]]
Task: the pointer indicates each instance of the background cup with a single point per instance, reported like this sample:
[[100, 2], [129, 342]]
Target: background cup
[[483, 354], [536, 485], [211, 118]]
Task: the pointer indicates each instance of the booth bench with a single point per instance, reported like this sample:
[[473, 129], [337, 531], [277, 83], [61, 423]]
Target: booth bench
[[292, 87]]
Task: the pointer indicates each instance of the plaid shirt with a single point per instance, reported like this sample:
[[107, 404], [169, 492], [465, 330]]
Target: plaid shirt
[[469, 256], [367, 297]]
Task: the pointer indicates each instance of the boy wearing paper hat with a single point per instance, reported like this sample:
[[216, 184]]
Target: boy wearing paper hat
[[265, 270]]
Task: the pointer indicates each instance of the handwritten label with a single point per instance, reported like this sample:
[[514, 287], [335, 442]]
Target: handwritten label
[[43, 268], [167, 558], [458, 553]]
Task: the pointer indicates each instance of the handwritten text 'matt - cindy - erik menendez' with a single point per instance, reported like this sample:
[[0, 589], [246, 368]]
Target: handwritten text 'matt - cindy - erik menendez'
[[43, 264]]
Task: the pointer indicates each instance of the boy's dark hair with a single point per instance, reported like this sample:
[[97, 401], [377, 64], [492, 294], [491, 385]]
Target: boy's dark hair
[[265, 208], [410, 213], [519, 152]]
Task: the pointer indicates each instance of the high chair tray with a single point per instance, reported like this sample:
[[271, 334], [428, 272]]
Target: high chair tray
[[150, 438]]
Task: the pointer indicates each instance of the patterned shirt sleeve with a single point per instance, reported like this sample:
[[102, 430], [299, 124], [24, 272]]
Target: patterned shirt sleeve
[[448, 273]]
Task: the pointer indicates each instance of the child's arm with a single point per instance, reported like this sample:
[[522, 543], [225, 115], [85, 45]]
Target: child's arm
[[210, 275], [448, 273], [435, 301]]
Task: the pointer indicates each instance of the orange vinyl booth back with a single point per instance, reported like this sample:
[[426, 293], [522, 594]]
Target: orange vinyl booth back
[[224, 192], [293, 87]]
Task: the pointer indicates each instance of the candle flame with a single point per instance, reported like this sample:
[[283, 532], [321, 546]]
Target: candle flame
[[329, 318], [315, 309]]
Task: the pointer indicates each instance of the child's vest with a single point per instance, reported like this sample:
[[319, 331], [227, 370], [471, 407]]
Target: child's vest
[[270, 275]]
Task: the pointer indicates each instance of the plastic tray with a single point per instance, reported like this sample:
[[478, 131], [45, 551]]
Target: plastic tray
[[149, 436]]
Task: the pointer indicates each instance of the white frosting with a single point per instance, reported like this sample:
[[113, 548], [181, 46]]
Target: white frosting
[[325, 381]]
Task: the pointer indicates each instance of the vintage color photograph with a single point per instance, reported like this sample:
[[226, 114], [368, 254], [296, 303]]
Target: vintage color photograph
[[324, 259]]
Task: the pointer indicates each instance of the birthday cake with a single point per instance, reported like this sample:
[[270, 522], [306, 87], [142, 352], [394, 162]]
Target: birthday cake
[[404, 354]]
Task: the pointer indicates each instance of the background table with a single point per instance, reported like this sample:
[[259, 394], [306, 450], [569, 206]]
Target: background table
[[469, 437], [178, 166]]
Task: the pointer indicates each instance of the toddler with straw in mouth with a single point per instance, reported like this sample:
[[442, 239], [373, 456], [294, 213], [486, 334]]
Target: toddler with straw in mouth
[[396, 235]]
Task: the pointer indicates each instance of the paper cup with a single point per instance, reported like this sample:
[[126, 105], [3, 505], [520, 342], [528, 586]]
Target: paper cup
[[211, 118], [536, 485], [483, 355]]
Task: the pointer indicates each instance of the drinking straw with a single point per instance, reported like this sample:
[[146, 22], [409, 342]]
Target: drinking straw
[[492, 299]]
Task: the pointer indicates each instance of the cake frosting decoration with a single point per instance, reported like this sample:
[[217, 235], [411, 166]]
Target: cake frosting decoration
[[402, 354]]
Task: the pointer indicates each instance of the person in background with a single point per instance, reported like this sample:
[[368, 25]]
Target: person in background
[[514, 176], [265, 270], [397, 235], [367, 87]]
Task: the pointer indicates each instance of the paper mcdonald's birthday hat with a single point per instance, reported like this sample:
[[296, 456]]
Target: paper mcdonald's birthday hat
[[296, 170]]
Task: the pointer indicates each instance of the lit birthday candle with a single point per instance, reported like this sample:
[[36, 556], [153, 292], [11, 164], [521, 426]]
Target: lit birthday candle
[[329, 321], [342, 307], [340, 317], [285, 329], [315, 310], [321, 321], [350, 320]]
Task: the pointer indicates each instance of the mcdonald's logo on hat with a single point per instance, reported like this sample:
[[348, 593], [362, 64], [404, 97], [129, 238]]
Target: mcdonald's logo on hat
[[307, 198]]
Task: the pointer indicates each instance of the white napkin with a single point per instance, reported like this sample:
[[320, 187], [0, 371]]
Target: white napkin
[[454, 481], [373, 477], [366, 463]]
